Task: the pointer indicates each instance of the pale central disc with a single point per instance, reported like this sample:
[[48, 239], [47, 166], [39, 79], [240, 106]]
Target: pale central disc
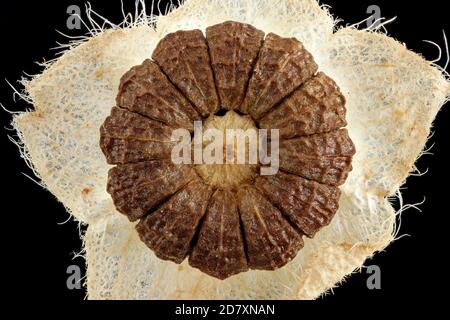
[[229, 175]]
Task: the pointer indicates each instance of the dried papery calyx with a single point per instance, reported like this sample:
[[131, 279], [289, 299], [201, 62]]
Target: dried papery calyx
[[227, 218]]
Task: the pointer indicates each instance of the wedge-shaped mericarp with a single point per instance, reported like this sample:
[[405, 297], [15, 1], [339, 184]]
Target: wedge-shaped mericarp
[[184, 58], [219, 250], [127, 137], [137, 188], [234, 48], [325, 157], [270, 241], [307, 204], [316, 107], [169, 231], [283, 65], [144, 89]]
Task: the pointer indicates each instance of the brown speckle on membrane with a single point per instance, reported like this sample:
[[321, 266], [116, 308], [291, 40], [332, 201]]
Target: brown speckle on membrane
[[227, 218]]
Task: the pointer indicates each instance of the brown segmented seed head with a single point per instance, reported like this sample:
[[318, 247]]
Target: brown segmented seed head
[[145, 90], [226, 218]]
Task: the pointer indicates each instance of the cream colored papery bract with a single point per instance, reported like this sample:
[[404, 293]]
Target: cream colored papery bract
[[72, 98], [120, 266], [393, 96]]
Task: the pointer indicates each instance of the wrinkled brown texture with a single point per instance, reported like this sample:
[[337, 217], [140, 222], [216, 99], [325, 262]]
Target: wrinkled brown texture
[[316, 107], [219, 250], [283, 65], [184, 58], [144, 89], [169, 230], [233, 47], [271, 241], [227, 226], [127, 137], [138, 187], [307, 204], [325, 157]]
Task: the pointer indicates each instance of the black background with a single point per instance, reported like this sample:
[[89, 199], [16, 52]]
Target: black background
[[411, 268]]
